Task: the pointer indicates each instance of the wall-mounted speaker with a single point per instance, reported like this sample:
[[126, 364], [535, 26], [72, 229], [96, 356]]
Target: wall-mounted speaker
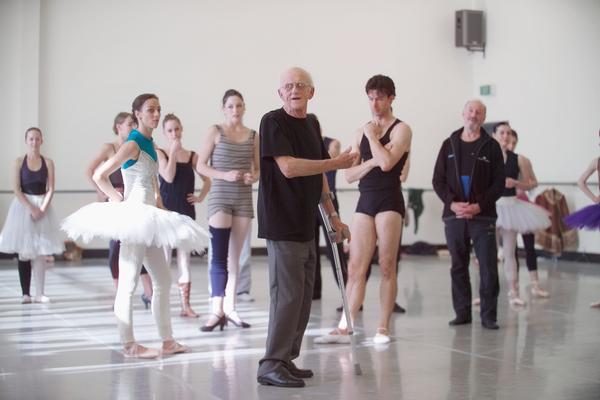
[[470, 30]]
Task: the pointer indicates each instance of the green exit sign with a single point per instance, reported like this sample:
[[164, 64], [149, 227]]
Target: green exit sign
[[485, 90]]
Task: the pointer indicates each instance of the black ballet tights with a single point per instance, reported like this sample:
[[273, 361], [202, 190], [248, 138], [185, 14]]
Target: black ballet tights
[[25, 276]]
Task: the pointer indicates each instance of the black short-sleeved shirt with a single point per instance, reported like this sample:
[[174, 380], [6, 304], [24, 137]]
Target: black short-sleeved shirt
[[287, 207]]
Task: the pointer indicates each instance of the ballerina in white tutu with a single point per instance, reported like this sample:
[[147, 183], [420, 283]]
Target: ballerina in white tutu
[[138, 220], [588, 217], [122, 126], [30, 229], [528, 238], [514, 215]]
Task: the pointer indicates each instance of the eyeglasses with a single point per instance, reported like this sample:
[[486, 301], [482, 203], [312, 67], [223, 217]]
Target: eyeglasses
[[299, 85]]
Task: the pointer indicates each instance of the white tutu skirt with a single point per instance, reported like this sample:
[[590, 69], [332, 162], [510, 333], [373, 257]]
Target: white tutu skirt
[[135, 223], [521, 216], [29, 238]]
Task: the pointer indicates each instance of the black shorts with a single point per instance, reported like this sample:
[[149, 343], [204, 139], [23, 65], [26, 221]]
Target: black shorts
[[374, 202]]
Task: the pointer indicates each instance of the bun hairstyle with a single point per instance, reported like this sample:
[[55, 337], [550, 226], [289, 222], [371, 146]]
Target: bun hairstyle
[[138, 104], [171, 117], [33, 128], [119, 119], [229, 93]]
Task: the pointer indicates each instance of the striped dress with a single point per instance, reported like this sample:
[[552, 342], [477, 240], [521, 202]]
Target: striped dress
[[234, 198]]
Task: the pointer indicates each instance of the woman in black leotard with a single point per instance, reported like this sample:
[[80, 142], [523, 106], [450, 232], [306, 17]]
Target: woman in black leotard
[[30, 229], [177, 181]]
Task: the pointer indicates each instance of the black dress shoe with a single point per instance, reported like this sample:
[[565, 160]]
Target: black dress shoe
[[299, 372], [280, 377], [460, 321], [489, 324], [399, 309]]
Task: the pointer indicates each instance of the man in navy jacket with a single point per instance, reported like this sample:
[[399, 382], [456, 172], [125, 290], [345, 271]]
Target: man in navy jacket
[[469, 178]]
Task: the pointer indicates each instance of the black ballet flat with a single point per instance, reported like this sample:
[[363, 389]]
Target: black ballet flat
[[221, 322], [147, 301]]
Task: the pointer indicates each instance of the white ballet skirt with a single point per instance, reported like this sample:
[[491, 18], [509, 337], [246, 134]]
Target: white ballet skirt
[[521, 216], [29, 238], [137, 220]]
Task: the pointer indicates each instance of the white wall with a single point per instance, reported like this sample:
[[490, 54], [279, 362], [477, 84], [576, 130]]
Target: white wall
[[95, 57], [542, 60], [19, 63]]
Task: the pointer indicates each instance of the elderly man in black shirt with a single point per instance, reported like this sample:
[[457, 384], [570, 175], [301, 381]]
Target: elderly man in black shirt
[[292, 162], [469, 178]]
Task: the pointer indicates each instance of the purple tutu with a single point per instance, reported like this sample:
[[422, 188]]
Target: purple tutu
[[586, 218]]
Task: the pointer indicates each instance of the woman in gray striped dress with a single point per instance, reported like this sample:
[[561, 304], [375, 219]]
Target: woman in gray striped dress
[[229, 156]]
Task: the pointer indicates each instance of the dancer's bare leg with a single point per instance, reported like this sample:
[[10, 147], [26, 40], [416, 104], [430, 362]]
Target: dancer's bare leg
[[361, 253], [388, 225]]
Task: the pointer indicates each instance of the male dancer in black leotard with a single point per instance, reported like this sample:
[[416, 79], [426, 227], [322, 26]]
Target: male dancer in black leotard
[[383, 143]]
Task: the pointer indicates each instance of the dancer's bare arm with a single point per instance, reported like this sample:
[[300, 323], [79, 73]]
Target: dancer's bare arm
[[128, 151], [388, 156], [358, 169], [104, 153], [582, 182]]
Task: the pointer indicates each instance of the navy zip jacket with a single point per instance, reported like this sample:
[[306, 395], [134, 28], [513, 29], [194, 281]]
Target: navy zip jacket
[[487, 176]]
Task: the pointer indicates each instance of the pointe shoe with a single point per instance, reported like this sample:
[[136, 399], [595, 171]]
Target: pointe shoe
[[134, 350], [41, 299], [476, 301], [221, 322], [382, 336], [536, 291], [595, 304], [336, 336], [514, 299], [146, 300], [235, 319], [26, 299], [172, 347]]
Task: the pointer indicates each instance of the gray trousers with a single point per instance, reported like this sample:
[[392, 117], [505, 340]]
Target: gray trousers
[[245, 275], [291, 281]]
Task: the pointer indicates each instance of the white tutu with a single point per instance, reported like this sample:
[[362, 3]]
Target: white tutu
[[29, 238], [135, 223], [521, 216]]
